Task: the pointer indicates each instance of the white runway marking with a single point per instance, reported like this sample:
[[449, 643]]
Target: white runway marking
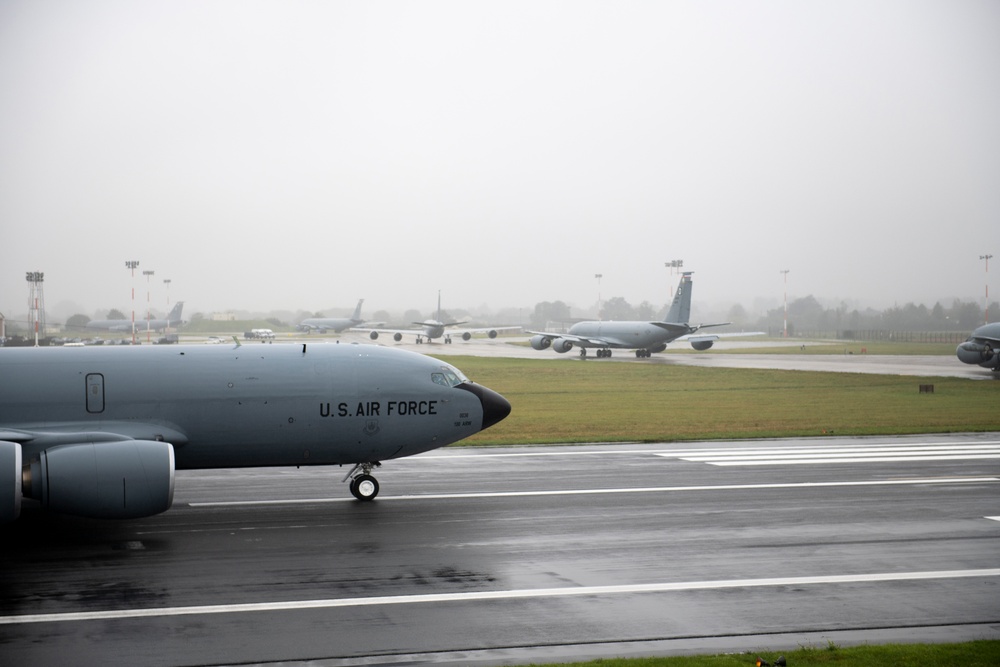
[[584, 492], [296, 605], [863, 454]]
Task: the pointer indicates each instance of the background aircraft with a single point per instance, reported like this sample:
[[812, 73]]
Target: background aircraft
[[982, 348], [643, 337], [431, 329], [338, 324], [108, 447], [173, 319]]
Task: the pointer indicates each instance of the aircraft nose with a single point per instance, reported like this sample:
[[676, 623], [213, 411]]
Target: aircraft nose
[[495, 406]]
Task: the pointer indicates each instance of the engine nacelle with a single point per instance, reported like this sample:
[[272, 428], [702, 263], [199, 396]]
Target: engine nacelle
[[701, 344], [10, 481], [373, 335], [398, 337], [466, 335], [126, 479], [971, 352], [491, 333], [540, 342], [657, 348], [562, 345]]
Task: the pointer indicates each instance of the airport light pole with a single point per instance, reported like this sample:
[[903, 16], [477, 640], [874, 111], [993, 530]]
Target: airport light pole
[[598, 276], [673, 264], [36, 278], [986, 308], [147, 274], [131, 265], [785, 273], [166, 329]]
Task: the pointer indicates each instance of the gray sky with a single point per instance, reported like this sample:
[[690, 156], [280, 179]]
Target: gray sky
[[286, 155]]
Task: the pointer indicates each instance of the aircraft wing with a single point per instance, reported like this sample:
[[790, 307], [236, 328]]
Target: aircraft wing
[[585, 341], [489, 331]]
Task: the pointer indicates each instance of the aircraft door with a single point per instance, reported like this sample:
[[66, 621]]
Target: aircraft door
[[95, 393]]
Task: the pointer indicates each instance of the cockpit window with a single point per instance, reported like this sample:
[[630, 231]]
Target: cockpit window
[[449, 377]]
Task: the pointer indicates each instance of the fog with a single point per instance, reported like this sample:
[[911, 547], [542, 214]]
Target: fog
[[302, 155]]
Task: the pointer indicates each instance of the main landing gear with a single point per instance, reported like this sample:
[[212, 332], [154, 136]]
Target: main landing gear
[[603, 353], [364, 487]]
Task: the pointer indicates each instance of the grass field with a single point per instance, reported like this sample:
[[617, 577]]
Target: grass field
[[557, 402], [969, 654]]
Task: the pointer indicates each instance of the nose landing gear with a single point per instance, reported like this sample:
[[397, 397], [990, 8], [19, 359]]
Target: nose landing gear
[[363, 486]]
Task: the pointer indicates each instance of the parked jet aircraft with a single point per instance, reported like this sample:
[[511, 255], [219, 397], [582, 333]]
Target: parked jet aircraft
[[643, 337], [431, 329], [107, 447], [173, 320], [338, 324], [982, 348]]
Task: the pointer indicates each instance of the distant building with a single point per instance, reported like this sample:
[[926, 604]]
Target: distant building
[[224, 317]]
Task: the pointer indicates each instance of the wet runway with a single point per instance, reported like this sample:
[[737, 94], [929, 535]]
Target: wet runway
[[513, 555], [848, 358]]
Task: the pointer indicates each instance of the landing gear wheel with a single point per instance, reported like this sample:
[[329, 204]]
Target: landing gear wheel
[[364, 487]]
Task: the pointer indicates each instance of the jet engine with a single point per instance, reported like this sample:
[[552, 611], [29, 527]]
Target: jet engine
[[397, 337], [10, 481], [701, 343], [491, 333], [125, 479], [659, 348], [562, 345], [540, 342], [466, 335], [971, 352], [373, 335]]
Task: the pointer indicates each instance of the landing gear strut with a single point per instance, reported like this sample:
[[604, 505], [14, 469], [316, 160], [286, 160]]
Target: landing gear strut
[[363, 486]]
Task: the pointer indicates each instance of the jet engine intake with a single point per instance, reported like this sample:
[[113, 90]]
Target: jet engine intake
[[540, 342], [373, 335], [562, 345], [397, 337], [701, 344], [10, 481], [466, 335], [126, 479], [491, 333], [971, 352]]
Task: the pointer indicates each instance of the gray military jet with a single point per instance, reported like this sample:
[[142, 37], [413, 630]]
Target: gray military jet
[[643, 337], [338, 324], [99, 432], [435, 328], [982, 347], [173, 319]]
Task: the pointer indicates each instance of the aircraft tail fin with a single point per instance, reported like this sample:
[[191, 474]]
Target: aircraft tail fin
[[680, 309], [356, 317], [175, 313]]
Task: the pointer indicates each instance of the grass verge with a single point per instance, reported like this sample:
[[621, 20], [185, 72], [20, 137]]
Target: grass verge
[[558, 402], [969, 654]]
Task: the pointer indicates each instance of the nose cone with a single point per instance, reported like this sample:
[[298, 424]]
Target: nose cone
[[495, 406]]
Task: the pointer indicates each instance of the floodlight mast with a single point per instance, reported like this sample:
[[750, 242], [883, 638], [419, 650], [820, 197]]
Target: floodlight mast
[[147, 274], [598, 276], [986, 305], [673, 264], [131, 265], [785, 273], [36, 299]]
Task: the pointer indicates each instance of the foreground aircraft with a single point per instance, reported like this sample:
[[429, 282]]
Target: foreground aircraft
[[173, 320], [982, 348], [338, 324], [98, 432], [431, 329], [643, 337]]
